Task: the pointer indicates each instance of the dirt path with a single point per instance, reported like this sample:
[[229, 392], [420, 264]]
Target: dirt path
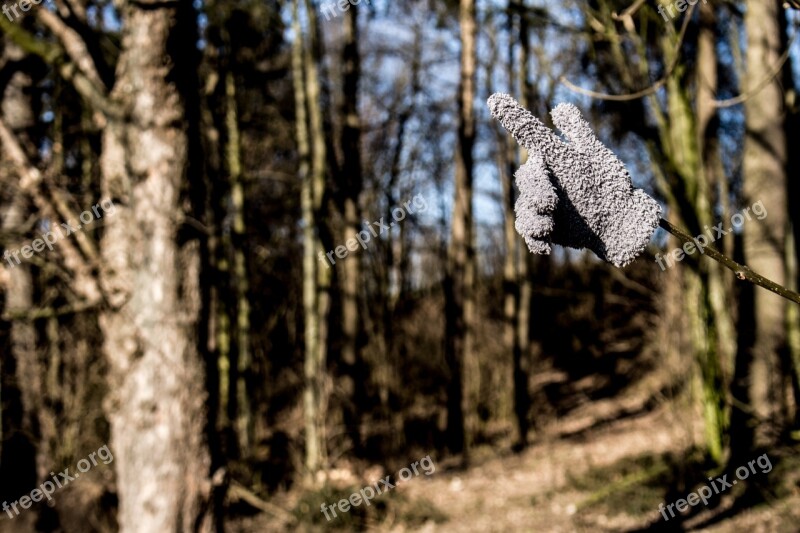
[[535, 491], [532, 491]]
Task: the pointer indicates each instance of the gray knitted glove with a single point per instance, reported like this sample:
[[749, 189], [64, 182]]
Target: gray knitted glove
[[574, 193]]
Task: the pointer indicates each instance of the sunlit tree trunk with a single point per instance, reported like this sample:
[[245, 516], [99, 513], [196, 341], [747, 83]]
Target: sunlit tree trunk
[[683, 141], [792, 126], [157, 396], [316, 276], [764, 169]]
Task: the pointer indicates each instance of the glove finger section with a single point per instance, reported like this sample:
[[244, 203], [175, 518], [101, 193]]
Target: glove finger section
[[538, 246], [526, 128], [536, 191], [534, 225], [570, 122], [633, 229], [536, 203]]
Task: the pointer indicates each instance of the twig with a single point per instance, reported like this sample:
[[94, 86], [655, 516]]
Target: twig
[[776, 69], [742, 272], [31, 183], [73, 45], [241, 492], [47, 312], [630, 11], [55, 55], [644, 92]]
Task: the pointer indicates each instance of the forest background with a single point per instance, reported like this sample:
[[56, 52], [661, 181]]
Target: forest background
[[241, 383]]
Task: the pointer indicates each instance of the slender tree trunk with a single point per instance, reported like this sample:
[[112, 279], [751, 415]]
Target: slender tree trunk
[[720, 338], [507, 166], [157, 401], [517, 287], [35, 433], [712, 172], [351, 180], [460, 283], [219, 288], [319, 158], [16, 108], [316, 280], [239, 399], [525, 263], [396, 266]]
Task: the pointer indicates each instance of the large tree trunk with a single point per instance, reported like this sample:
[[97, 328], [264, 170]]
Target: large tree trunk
[[764, 168], [157, 397], [792, 125], [688, 154], [463, 386]]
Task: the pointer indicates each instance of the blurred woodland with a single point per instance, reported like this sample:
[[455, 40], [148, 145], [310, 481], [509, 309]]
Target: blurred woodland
[[242, 381]]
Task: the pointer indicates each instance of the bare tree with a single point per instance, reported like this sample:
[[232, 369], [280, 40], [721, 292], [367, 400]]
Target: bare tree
[[764, 167], [460, 280], [150, 278], [316, 280]]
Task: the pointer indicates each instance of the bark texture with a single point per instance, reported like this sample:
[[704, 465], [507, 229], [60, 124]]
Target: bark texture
[[764, 169], [157, 401]]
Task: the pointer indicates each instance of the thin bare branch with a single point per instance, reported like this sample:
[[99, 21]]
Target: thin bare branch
[[742, 272], [53, 54], [30, 182], [74, 46], [630, 11], [742, 98], [644, 92]]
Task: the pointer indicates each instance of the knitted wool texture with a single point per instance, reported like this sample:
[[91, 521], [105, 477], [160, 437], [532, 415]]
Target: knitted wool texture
[[574, 193]]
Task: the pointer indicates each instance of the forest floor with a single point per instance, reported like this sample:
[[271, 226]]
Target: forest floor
[[605, 467], [607, 479]]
